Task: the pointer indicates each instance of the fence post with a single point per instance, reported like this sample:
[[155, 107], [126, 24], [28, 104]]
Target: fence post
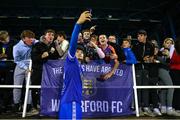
[[27, 90], [135, 91]]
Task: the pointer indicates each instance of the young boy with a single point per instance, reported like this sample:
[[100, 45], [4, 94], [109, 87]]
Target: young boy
[[71, 94], [130, 57]]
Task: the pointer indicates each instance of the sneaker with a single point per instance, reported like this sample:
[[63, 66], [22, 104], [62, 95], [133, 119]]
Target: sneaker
[[38, 106], [172, 112], [17, 108], [141, 113], [157, 112], [163, 110], [33, 112], [178, 111], [148, 112], [29, 107]]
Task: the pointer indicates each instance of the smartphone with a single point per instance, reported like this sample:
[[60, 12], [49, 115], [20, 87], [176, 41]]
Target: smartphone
[[89, 9]]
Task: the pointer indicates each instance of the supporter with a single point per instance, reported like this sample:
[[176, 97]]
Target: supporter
[[144, 52], [113, 42], [6, 69], [80, 39], [93, 52], [22, 55], [167, 44], [175, 71], [130, 57], [153, 66], [84, 38], [61, 44], [6, 46], [41, 52], [112, 39], [86, 35], [110, 55], [166, 95]]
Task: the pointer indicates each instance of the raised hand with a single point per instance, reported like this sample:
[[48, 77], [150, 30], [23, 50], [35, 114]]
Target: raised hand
[[85, 16], [52, 50], [44, 55], [92, 29]]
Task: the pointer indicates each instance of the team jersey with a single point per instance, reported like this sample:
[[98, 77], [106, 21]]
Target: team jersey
[[108, 52], [72, 87], [71, 94]]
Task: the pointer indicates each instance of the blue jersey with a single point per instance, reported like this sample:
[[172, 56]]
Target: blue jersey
[[72, 87], [71, 94]]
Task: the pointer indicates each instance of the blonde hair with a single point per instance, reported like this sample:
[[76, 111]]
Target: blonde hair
[[3, 35], [168, 39]]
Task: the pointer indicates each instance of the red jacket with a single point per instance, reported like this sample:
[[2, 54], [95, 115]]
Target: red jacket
[[175, 61]]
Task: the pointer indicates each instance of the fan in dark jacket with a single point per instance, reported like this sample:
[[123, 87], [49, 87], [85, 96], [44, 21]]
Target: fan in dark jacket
[[41, 52]]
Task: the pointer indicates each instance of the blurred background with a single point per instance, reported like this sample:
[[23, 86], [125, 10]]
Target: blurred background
[[160, 18]]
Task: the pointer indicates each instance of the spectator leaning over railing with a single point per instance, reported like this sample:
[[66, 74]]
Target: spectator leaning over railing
[[110, 55], [22, 56], [175, 71], [41, 52], [112, 40], [144, 52], [152, 66]]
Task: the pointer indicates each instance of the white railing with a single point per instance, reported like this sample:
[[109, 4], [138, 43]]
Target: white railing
[[135, 87], [28, 86], [144, 87]]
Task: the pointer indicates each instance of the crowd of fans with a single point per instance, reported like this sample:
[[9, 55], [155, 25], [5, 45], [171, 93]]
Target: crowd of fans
[[154, 65]]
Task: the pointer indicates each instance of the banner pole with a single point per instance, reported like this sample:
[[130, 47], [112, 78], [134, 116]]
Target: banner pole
[[135, 91], [27, 90]]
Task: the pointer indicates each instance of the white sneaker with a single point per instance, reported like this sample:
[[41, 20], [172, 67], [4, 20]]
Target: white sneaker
[[163, 110], [172, 112], [157, 112], [148, 112]]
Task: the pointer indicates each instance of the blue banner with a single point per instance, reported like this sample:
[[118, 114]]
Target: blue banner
[[112, 97]]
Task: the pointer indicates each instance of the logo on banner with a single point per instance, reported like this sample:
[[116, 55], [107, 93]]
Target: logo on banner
[[89, 87]]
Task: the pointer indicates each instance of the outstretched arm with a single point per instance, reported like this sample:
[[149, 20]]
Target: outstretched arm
[[85, 16]]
